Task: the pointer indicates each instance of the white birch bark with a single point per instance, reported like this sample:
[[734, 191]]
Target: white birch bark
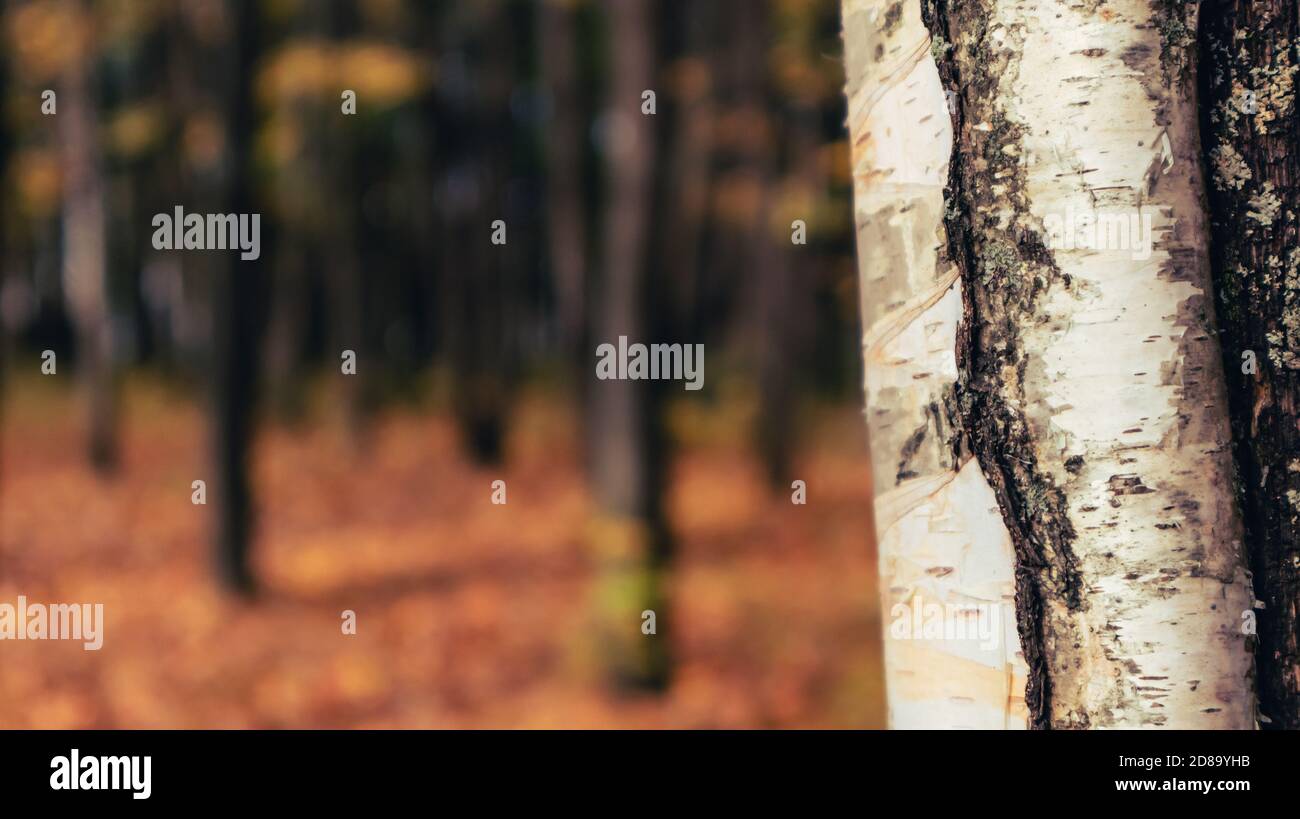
[[940, 537], [1098, 366]]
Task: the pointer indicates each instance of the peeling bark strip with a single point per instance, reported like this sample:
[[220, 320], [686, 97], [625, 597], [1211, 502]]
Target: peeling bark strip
[[940, 537], [1090, 386], [1251, 130]]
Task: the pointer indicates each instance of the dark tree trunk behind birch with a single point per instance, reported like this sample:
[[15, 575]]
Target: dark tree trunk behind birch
[[1251, 136]]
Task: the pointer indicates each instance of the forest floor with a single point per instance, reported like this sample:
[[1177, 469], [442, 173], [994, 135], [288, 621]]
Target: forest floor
[[468, 614]]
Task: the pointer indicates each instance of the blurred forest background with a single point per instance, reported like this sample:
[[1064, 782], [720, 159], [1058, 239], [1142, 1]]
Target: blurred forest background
[[374, 492]]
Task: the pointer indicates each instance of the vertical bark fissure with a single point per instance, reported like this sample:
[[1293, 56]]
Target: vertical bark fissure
[[1250, 129], [1003, 271]]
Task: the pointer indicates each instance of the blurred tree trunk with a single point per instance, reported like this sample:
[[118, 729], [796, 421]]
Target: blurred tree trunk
[[1251, 134], [476, 295], [340, 239], [287, 326], [343, 275], [790, 308], [770, 256], [85, 250], [6, 254], [1059, 411], [776, 432], [628, 535], [235, 294], [688, 154], [565, 138]]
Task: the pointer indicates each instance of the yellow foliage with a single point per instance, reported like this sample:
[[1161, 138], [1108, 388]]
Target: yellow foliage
[[134, 129], [300, 69], [45, 38], [381, 74], [280, 141], [38, 176]]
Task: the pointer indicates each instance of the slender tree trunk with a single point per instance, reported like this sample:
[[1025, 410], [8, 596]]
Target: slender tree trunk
[[565, 138], [628, 535], [477, 287], [345, 281], [1251, 130], [688, 164], [289, 318], [769, 256], [85, 255], [6, 253], [1048, 421], [235, 294]]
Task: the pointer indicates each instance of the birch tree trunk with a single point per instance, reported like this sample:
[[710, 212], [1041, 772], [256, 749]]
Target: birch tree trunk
[[1252, 130], [1048, 417]]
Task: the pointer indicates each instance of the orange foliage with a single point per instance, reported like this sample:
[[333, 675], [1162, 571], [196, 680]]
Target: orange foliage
[[468, 614]]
